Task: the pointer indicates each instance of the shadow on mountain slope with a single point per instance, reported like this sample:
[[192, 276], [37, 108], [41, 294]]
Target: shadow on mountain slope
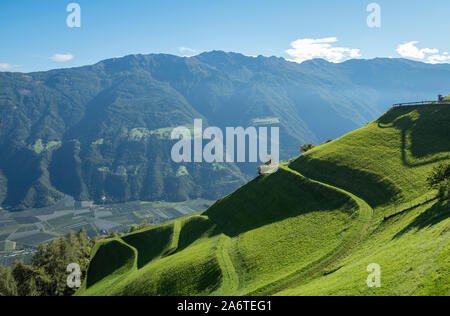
[[421, 133], [270, 199], [435, 214], [381, 192]]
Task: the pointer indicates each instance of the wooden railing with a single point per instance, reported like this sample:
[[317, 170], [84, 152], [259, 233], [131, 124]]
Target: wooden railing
[[423, 103]]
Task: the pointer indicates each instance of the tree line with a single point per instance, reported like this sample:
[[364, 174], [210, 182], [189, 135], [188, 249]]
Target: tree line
[[47, 274]]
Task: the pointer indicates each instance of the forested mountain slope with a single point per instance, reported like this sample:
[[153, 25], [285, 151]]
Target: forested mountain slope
[[103, 129]]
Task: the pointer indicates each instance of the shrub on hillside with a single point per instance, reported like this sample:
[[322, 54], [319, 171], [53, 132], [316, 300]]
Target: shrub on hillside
[[440, 180], [136, 228], [307, 147]]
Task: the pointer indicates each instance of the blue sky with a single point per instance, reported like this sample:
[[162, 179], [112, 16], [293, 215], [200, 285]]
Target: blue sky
[[35, 36]]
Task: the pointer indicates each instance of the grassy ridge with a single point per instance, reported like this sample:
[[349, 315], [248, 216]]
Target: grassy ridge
[[151, 244], [313, 227], [193, 272], [282, 234], [171, 271], [401, 148], [279, 225], [356, 233], [111, 262], [387, 162]]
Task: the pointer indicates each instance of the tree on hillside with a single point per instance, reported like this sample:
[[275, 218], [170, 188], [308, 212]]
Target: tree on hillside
[[8, 285], [440, 180], [307, 147], [47, 274], [30, 280], [139, 227]]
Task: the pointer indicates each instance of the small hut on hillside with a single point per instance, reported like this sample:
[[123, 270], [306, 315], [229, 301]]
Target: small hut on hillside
[[268, 167]]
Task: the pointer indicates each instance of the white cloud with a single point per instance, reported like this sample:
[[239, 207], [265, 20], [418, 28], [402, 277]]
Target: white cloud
[[61, 58], [410, 50], [308, 48], [438, 59], [187, 50], [429, 55], [8, 67]]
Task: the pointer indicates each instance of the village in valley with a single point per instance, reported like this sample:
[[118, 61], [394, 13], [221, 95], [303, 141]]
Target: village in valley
[[22, 232]]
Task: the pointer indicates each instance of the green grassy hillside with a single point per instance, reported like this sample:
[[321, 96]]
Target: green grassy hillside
[[312, 228], [387, 162]]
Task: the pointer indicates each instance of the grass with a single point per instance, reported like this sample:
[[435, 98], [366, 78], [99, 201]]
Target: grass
[[39, 146], [388, 161], [171, 271], [354, 234], [193, 272], [276, 231], [111, 261], [151, 244], [415, 262], [400, 149], [264, 229], [230, 282], [312, 228]]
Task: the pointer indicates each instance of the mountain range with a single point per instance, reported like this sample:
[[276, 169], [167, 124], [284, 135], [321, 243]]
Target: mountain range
[[104, 129]]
